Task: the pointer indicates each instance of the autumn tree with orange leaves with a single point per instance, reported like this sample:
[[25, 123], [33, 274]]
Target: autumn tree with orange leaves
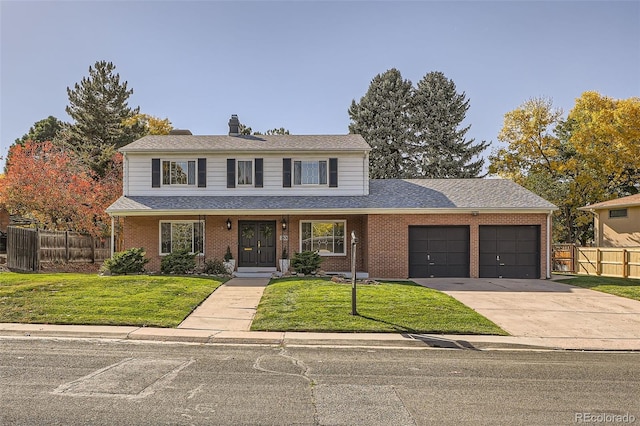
[[52, 186]]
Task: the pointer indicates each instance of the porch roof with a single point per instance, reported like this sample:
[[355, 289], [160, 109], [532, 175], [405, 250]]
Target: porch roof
[[386, 196]]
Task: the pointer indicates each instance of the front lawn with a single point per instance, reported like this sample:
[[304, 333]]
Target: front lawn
[[625, 287], [139, 300], [313, 304]]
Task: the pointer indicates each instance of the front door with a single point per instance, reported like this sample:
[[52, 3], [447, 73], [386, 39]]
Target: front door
[[257, 243]]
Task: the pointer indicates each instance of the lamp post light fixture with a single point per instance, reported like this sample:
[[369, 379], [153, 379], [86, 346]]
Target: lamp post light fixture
[[229, 224]]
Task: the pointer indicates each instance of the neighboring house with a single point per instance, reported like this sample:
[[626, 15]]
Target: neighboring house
[[616, 223], [262, 194]]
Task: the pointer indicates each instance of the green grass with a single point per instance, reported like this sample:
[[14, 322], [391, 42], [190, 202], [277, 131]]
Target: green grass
[[138, 300], [296, 304], [624, 287]]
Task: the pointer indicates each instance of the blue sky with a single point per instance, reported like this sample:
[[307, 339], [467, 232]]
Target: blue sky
[[299, 64]]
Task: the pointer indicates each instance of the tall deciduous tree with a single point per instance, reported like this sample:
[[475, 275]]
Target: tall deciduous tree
[[151, 125], [49, 184], [440, 149], [605, 132], [592, 156], [99, 108], [382, 118]]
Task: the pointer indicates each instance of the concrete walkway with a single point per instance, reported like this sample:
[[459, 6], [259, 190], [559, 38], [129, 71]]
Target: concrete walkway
[[231, 307], [544, 309]]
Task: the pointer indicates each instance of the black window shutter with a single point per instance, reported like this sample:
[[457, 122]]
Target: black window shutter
[[202, 172], [333, 172], [155, 173], [259, 167], [231, 173], [286, 172]]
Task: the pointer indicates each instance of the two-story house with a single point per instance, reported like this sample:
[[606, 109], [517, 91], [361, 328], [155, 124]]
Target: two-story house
[[616, 223], [262, 194]]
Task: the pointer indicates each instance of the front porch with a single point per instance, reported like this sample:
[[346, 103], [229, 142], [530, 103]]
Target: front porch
[[254, 241]]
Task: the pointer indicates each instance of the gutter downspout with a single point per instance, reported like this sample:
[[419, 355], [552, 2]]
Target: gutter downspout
[[549, 224]]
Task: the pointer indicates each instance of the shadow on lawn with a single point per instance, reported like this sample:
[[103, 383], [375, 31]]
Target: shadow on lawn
[[431, 341], [395, 326]]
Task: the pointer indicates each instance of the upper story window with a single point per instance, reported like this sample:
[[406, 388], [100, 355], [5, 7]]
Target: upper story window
[[617, 213], [245, 172], [310, 172], [179, 172]]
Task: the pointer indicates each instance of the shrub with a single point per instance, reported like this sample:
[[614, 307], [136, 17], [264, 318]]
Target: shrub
[[306, 262], [214, 267], [178, 262], [130, 261], [228, 256]]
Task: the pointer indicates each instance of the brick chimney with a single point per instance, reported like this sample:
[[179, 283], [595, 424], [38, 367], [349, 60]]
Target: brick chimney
[[234, 125]]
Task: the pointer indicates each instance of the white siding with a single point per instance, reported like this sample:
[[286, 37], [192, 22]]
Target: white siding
[[352, 176]]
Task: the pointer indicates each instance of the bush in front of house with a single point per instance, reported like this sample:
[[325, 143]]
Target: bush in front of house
[[214, 267], [130, 261], [178, 262], [306, 262]]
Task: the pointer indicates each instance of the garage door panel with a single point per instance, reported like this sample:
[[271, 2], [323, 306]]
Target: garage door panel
[[457, 246], [506, 246], [438, 251], [488, 259], [457, 258], [509, 251], [488, 246], [527, 259], [418, 258]]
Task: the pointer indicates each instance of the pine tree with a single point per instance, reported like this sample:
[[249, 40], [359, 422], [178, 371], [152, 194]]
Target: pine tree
[[46, 129], [98, 105], [416, 132], [440, 149], [381, 118]]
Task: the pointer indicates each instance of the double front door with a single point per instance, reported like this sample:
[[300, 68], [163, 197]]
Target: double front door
[[257, 246]]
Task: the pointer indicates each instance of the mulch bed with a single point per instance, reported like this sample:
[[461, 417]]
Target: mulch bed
[[82, 268]]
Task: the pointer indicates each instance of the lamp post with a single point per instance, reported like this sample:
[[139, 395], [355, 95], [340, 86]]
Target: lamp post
[[354, 242]]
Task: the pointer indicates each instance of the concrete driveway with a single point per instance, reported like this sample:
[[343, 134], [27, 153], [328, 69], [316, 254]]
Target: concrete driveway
[[545, 308]]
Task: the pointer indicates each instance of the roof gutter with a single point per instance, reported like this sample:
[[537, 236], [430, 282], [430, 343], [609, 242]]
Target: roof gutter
[[336, 211]]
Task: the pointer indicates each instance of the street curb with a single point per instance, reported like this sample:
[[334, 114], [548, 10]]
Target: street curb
[[382, 340]]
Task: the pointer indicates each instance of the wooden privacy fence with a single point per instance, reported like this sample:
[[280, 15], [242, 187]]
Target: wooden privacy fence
[[609, 262], [563, 257], [27, 248]]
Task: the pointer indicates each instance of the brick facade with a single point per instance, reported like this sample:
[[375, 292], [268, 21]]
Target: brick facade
[[383, 239], [388, 242]]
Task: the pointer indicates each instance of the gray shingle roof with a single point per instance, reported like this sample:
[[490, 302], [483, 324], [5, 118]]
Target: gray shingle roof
[[186, 143], [385, 195]]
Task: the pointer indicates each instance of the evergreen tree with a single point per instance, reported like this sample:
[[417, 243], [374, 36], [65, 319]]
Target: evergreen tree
[[440, 149], [47, 129], [381, 117], [98, 105], [415, 132]]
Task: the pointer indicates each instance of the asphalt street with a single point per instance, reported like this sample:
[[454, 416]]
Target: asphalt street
[[109, 382]]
